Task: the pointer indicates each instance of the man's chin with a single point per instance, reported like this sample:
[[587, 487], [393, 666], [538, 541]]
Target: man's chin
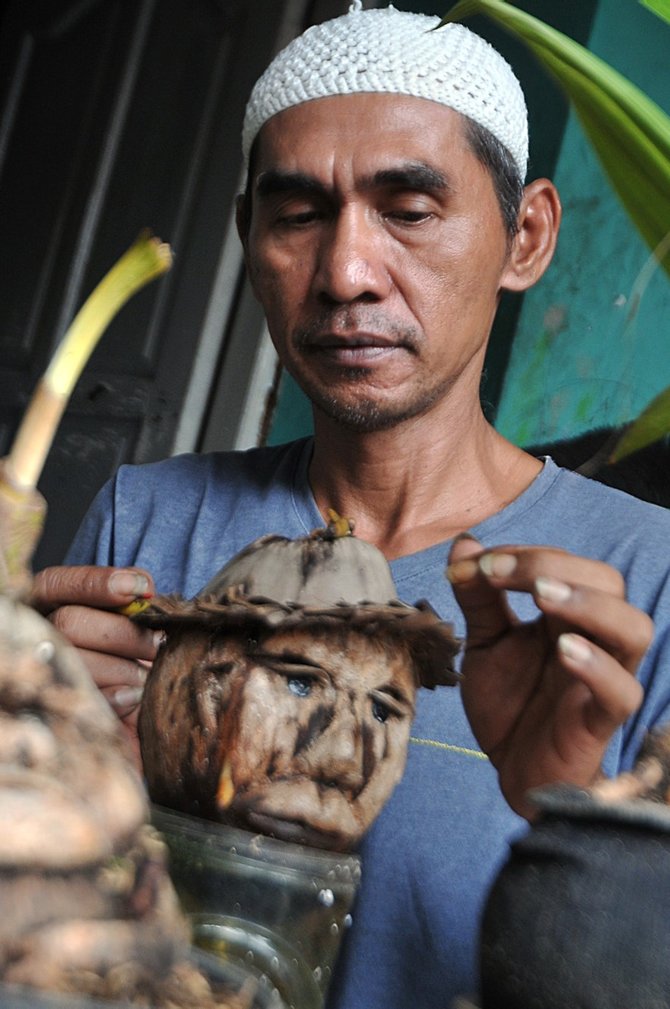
[[364, 417], [368, 415]]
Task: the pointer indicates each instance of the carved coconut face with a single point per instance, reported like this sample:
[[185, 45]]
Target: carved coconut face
[[302, 734]]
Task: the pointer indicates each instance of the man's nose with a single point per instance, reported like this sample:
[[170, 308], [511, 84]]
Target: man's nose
[[351, 262]]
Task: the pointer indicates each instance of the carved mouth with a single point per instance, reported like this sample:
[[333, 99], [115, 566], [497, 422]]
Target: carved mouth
[[294, 831], [298, 811]]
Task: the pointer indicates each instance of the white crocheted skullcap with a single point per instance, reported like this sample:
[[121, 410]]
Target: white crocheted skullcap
[[389, 51]]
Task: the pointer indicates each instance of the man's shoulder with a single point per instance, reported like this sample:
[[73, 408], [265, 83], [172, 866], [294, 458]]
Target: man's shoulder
[[184, 517], [593, 519], [193, 472], [608, 508]]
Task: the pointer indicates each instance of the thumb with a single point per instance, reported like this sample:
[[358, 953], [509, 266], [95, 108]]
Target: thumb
[[487, 614]]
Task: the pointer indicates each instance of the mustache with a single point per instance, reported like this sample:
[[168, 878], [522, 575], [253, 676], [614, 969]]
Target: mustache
[[343, 325]]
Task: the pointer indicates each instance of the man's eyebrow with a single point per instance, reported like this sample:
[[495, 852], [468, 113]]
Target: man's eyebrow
[[413, 175], [273, 182]]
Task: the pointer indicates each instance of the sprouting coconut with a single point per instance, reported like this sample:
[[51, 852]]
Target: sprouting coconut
[[88, 905], [282, 699]]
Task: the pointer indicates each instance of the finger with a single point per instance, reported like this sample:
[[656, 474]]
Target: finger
[[615, 693], [101, 631], [484, 605], [124, 701], [89, 585], [110, 673], [618, 627], [119, 680], [518, 568]]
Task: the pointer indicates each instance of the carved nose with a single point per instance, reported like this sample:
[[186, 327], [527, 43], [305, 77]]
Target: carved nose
[[340, 755]]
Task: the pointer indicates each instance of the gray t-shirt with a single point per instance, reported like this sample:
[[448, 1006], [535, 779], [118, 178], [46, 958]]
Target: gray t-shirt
[[429, 859]]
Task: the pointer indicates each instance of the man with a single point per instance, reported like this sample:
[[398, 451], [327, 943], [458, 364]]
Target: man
[[384, 214]]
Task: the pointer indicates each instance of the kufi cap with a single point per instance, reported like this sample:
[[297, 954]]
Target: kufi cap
[[322, 580], [394, 52]]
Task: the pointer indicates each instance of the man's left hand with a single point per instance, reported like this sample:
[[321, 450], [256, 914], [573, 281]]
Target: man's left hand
[[544, 697]]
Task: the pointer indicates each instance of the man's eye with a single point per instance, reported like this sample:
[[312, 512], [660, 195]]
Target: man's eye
[[301, 686], [298, 217], [379, 711], [409, 216]]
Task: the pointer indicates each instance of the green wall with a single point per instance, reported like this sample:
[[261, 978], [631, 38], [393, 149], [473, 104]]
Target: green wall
[[579, 361]]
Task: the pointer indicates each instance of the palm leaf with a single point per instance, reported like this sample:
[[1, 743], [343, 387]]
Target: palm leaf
[[652, 424], [660, 7]]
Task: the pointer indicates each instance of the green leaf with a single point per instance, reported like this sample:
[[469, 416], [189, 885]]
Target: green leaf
[[660, 7], [146, 259], [651, 425], [629, 132]]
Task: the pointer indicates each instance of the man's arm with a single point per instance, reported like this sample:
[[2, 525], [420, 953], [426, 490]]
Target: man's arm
[[82, 603], [544, 697]]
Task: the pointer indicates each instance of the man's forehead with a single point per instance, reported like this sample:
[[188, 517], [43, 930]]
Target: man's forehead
[[376, 130]]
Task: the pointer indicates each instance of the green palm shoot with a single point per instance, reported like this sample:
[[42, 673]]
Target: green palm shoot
[[22, 508]]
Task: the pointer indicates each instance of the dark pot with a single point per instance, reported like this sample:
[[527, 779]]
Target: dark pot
[[579, 917]]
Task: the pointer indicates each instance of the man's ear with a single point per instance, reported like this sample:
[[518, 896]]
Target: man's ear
[[534, 243]]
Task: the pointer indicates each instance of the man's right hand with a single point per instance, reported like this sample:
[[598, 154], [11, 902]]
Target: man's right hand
[[81, 603]]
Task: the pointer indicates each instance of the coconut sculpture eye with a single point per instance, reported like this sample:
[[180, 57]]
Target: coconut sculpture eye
[[301, 686], [379, 711]]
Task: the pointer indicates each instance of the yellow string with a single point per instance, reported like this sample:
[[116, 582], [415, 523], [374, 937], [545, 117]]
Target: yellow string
[[464, 750]]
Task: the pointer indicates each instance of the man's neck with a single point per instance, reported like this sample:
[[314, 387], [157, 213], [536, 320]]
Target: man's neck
[[419, 483]]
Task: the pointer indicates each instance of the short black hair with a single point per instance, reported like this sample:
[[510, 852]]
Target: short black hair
[[488, 150], [503, 169]]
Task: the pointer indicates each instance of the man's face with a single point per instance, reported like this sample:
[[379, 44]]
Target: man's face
[[316, 737], [377, 248]]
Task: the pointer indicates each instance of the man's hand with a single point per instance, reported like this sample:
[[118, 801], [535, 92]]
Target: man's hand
[[80, 602], [544, 697]]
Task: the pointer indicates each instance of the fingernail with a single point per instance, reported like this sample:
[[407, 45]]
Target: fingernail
[[461, 571], [575, 648], [127, 697], [497, 565], [129, 583], [159, 638], [552, 590]]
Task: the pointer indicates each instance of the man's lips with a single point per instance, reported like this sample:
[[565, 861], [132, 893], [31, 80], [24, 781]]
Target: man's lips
[[354, 349]]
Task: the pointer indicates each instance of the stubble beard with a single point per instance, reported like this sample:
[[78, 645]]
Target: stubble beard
[[362, 413], [366, 415]]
